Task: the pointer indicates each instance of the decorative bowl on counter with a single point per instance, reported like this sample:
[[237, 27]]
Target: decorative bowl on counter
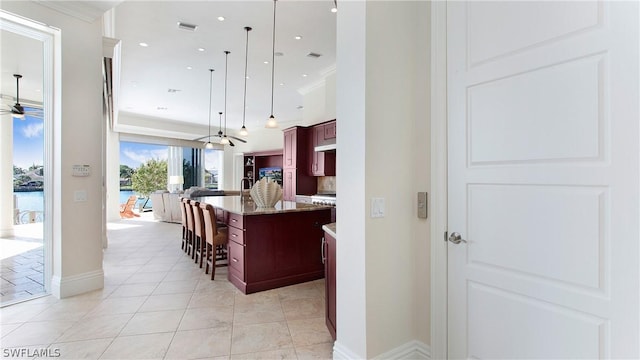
[[266, 193]]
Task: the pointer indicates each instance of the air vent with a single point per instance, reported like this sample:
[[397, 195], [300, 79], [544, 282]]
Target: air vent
[[278, 54], [299, 107], [313, 55], [173, 90], [185, 26]]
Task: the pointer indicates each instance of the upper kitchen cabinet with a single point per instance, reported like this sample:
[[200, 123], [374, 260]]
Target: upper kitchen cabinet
[[322, 154], [296, 180]]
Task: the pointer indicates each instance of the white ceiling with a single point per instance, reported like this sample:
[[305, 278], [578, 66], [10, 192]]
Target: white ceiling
[[149, 72]]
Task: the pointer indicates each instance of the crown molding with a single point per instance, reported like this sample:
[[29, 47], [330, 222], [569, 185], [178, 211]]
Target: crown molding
[[87, 11]]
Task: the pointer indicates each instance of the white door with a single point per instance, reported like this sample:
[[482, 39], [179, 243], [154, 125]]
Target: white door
[[543, 179]]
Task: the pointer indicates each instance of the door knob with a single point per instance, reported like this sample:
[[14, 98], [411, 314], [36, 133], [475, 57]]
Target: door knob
[[456, 238]]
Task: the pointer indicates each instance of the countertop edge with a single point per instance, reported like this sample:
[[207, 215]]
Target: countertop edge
[[330, 229]]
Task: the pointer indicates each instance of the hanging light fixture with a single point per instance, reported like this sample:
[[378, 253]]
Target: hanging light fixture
[[209, 144], [271, 122], [243, 130], [225, 140]]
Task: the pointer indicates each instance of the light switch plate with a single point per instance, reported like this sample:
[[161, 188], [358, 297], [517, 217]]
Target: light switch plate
[[422, 204], [80, 196], [377, 207]]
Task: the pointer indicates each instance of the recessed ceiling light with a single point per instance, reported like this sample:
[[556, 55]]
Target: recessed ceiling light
[[189, 68], [266, 62], [334, 9], [143, 44], [248, 77], [201, 49], [38, 90], [220, 18], [298, 37], [281, 84], [304, 75]]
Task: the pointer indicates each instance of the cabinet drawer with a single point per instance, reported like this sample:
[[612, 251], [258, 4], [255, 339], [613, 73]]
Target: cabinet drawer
[[236, 260], [235, 220], [236, 235]]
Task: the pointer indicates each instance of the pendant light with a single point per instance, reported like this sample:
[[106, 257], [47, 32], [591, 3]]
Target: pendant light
[[225, 139], [243, 130], [271, 122], [209, 144]]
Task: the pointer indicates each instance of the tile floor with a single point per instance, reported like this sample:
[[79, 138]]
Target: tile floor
[[21, 264], [157, 304]]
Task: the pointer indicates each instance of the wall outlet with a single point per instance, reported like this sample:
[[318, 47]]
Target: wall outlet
[[377, 207]]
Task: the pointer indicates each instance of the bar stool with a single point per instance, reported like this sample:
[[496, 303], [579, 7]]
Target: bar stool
[[216, 239], [198, 233], [190, 227], [183, 220]]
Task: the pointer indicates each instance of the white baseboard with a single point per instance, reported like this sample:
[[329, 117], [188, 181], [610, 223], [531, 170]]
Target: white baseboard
[[7, 232], [76, 284], [413, 350], [341, 352]]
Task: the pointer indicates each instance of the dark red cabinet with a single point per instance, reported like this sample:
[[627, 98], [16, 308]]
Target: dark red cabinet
[[330, 282], [297, 180], [322, 163]]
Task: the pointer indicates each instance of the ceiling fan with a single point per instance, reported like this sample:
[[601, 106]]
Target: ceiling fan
[[16, 110], [221, 134]]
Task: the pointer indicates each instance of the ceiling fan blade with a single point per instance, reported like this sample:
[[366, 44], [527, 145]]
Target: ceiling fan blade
[[202, 137], [231, 143], [237, 138]]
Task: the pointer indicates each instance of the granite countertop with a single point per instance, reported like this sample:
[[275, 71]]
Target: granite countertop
[[330, 229], [248, 207]]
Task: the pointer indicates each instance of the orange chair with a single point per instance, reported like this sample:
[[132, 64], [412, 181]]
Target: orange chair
[[216, 239], [126, 209]]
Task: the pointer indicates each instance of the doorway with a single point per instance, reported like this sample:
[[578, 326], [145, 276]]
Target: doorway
[[26, 153]]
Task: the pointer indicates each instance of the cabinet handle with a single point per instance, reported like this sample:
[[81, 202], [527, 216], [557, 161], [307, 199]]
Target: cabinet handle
[[234, 235], [322, 249], [234, 220], [234, 260]]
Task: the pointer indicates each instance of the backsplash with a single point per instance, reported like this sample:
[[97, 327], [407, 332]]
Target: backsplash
[[326, 184]]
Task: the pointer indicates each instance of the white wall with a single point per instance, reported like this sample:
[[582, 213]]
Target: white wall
[[382, 108], [77, 242]]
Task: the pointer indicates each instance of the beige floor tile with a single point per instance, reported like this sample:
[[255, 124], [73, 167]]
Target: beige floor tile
[[189, 273], [131, 290], [204, 318], [153, 322], [284, 354], [156, 267], [67, 309], [306, 332], [147, 277], [303, 308], [113, 306], [197, 344], [260, 337], [315, 352], [165, 302], [99, 327], [22, 312], [149, 346], [176, 287], [32, 333], [222, 297], [257, 312], [86, 349], [5, 329], [299, 291]]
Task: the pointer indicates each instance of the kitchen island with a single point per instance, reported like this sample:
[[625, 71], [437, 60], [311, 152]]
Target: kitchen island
[[271, 247]]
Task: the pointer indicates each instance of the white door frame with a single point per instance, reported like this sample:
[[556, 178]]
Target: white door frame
[[51, 77], [438, 179]]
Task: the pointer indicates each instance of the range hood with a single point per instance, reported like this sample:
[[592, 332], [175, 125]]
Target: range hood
[[328, 147]]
